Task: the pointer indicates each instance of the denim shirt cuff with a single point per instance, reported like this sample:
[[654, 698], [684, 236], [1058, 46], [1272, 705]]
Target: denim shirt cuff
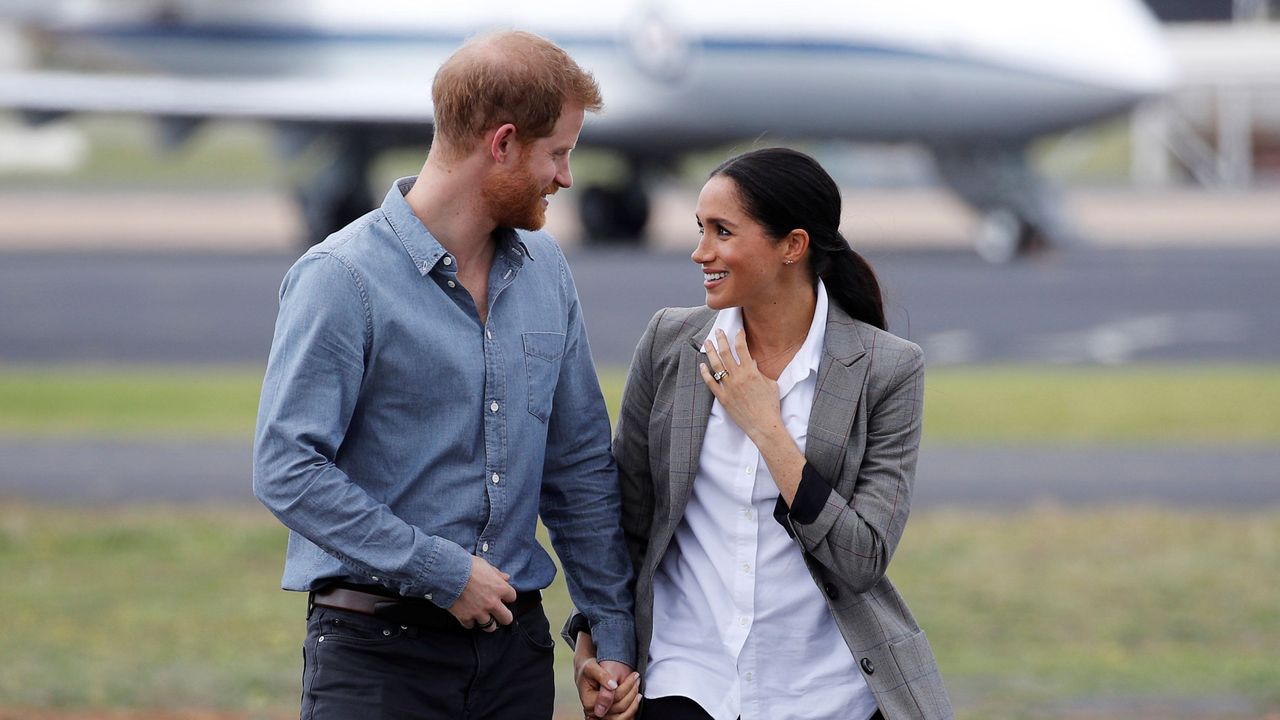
[[444, 575], [615, 640]]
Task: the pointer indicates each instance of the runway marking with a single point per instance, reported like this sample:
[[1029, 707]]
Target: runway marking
[[1120, 341], [951, 347]]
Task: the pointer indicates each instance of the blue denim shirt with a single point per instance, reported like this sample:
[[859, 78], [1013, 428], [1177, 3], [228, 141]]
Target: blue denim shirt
[[397, 436]]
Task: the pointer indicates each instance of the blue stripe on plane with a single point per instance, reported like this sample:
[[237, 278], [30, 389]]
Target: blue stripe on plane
[[304, 35], [299, 34]]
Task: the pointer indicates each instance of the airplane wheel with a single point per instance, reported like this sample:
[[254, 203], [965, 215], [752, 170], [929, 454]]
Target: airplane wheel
[[613, 215], [1001, 236], [323, 214]]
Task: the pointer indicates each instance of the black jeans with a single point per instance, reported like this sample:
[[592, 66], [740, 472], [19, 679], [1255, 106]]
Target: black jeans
[[358, 666]]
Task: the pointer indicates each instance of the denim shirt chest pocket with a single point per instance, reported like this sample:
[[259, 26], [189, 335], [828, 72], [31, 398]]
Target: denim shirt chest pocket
[[542, 353]]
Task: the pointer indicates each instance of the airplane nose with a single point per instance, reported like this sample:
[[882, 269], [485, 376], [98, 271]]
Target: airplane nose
[[1143, 63], [1127, 50], [1114, 46]]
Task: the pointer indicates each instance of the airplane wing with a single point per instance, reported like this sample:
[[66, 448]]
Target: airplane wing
[[627, 123], [293, 99]]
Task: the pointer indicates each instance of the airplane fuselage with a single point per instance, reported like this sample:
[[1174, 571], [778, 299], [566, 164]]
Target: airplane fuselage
[[699, 73]]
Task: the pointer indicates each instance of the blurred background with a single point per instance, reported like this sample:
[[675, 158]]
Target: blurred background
[[1073, 207]]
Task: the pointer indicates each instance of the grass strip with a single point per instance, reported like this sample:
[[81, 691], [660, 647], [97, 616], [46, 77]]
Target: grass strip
[[1030, 611], [130, 402], [1201, 404]]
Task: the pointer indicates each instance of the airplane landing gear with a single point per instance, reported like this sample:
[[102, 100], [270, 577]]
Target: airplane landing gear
[[337, 194], [1001, 237], [1018, 212], [614, 215], [325, 211]]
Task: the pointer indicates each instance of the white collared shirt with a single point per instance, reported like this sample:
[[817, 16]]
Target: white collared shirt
[[738, 624]]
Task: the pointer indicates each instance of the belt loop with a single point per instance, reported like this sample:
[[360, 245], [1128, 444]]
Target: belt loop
[[311, 603]]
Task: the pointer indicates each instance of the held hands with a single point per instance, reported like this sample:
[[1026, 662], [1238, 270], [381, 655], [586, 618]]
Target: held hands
[[609, 690], [750, 398], [481, 603]]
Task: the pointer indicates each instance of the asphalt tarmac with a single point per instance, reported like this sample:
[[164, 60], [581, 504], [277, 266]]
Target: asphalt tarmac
[[1085, 305], [1082, 306], [987, 477]]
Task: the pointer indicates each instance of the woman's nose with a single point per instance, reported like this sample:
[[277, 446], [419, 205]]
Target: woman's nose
[[700, 253]]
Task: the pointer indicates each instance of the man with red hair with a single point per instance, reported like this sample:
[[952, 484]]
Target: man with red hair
[[429, 395]]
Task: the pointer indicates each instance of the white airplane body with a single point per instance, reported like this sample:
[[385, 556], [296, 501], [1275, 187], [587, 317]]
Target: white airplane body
[[974, 81]]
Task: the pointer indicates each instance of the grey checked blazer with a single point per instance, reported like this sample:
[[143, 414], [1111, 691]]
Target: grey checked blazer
[[864, 431]]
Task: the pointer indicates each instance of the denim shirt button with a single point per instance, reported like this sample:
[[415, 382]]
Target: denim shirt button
[[494, 406], [453, 284], [484, 547], [496, 478], [447, 261]]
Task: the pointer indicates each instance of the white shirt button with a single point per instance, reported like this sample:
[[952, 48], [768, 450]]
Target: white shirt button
[[746, 568], [494, 406], [749, 469], [452, 284], [742, 621], [484, 547], [495, 478], [448, 260], [747, 677]]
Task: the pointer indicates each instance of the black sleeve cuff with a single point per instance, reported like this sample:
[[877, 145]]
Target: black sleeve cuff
[[811, 496], [577, 623]]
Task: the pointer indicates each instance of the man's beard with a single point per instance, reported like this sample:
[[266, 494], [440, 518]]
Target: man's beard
[[514, 199]]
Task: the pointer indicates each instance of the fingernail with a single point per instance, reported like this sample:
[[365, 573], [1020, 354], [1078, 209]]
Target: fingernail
[[613, 684]]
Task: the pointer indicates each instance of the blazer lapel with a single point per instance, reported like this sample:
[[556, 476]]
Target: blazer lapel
[[688, 420], [841, 375]]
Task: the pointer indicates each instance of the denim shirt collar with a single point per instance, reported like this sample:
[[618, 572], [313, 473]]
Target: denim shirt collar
[[423, 248]]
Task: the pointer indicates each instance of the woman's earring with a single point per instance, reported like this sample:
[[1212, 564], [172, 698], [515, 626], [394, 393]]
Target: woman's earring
[[787, 262]]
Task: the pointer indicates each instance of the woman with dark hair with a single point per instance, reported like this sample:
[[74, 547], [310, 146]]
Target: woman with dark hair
[[766, 449]]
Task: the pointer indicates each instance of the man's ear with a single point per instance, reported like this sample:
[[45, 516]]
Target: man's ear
[[502, 143]]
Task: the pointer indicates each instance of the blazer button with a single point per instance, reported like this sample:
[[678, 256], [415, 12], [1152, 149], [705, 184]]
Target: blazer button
[[867, 666], [833, 592]]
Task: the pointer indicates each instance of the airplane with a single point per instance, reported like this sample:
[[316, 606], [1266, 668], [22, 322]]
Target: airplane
[[975, 82]]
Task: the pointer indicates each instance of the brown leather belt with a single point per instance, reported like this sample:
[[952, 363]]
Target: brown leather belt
[[403, 610]]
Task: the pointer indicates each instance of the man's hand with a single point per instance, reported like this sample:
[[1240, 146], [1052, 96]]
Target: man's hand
[[608, 690], [481, 602]]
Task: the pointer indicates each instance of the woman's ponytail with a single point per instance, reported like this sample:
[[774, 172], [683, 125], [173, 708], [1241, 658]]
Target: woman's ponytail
[[852, 284]]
